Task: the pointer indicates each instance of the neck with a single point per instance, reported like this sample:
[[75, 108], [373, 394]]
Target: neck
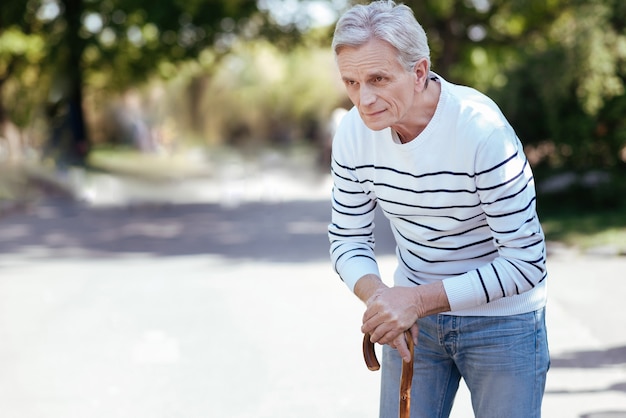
[[424, 110]]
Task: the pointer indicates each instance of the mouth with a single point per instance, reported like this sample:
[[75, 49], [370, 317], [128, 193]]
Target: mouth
[[373, 114]]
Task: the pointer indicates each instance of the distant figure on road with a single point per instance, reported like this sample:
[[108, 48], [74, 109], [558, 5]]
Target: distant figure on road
[[450, 174], [332, 125]]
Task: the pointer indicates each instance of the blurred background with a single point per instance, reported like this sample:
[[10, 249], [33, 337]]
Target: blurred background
[[164, 197], [176, 87]]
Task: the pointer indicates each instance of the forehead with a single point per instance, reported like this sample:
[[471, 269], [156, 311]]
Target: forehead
[[373, 56]]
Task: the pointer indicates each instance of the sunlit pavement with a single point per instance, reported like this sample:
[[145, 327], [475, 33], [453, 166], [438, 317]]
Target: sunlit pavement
[[231, 310]]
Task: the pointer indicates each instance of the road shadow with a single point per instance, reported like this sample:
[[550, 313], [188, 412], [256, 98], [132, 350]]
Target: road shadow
[[592, 359], [605, 414], [614, 356], [616, 387], [287, 231]]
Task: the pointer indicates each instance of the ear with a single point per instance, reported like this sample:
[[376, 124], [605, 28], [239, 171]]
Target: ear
[[421, 74]]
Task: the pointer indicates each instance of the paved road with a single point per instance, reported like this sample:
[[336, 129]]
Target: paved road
[[205, 310]]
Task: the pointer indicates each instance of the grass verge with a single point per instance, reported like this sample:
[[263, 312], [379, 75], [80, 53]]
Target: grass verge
[[588, 230], [151, 166]]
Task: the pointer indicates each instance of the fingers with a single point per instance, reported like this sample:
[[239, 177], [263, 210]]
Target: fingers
[[388, 315], [383, 328], [390, 332], [369, 315], [401, 345], [383, 334]]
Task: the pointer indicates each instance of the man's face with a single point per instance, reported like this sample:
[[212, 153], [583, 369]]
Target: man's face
[[377, 84]]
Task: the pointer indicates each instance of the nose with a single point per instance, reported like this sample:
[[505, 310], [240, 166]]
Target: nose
[[366, 96]]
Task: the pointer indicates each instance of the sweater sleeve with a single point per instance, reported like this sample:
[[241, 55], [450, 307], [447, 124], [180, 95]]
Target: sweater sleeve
[[505, 185], [351, 233]]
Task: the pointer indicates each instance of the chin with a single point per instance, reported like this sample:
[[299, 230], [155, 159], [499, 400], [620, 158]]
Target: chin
[[376, 125]]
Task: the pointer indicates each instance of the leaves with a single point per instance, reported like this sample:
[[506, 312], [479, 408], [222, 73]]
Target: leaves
[[556, 67]]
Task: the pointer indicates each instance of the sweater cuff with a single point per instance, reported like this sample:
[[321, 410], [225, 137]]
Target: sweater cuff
[[353, 270], [463, 291]]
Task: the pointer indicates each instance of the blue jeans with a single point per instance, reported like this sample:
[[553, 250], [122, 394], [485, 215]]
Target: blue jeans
[[503, 360]]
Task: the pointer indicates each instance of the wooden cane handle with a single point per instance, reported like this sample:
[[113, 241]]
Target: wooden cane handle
[[406, 378], [369, 354]]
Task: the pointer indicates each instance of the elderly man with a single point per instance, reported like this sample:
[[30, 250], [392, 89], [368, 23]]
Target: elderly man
[[450, 174]]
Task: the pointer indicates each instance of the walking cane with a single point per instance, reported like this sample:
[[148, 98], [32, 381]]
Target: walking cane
[[406, 378]]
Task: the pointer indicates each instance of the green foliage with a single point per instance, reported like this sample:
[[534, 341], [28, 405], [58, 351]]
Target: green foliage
[[14, 42], [102, 44], [125, 41], [21, 56], [586, 229], [259, 94], [556, 67], [558, 70]]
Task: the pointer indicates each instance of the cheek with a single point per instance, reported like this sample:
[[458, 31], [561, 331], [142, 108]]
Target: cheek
[[353, 96], [403, 98]]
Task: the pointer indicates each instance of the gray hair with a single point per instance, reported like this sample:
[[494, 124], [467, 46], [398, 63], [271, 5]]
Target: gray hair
[[386, 21]]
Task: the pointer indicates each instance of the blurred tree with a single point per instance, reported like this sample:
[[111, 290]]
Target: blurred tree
[[119, 42], [21, 52], [557, 68], [259, 95], [565, 84]]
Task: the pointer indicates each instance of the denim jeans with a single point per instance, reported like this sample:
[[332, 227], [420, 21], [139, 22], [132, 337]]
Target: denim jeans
[[503, 360]]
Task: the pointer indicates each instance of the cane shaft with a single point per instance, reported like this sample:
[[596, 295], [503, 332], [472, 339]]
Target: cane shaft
[[406, 379]]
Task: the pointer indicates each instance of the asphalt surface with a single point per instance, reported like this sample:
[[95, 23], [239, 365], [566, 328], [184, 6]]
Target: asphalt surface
[[191, 299]]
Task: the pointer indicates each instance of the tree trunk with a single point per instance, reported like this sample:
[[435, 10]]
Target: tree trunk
[[78, 147]]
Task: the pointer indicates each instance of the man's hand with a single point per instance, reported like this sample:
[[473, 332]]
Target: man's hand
[[389, 313]]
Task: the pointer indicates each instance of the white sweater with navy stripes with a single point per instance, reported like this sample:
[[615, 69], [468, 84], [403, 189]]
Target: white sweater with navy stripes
[[460, 199]]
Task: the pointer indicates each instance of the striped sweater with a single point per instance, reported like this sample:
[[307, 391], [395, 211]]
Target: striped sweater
[[460, 199]]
